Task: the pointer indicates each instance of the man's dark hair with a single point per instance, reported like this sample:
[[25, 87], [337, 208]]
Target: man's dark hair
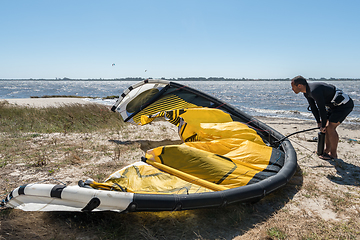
[[299, 80]]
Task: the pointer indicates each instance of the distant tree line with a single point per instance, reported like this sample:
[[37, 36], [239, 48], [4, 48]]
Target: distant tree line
[[183, 79]]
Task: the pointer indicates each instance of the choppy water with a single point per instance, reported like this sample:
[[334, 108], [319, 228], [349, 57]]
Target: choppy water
[[257, 98]]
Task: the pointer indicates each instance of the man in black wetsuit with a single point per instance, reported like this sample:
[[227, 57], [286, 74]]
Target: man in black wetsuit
[[330, 107]]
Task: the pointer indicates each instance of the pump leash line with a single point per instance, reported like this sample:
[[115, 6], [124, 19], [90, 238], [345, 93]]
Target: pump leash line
[[306, 130]]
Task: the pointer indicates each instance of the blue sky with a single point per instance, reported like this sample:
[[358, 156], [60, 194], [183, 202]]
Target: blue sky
[[171, 39]]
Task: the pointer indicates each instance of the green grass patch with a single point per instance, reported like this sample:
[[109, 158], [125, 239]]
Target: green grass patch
[[276, 233], [66, 118]]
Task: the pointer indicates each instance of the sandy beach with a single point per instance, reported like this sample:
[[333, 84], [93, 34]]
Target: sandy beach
[[315, 193], [323, 181], [45, 102]]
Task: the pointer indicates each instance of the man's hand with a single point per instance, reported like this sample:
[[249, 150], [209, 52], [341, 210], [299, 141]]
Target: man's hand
[[322, 129]]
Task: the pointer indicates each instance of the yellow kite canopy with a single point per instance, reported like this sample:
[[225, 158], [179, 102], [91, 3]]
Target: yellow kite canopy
[[217, 154], [226, 157]]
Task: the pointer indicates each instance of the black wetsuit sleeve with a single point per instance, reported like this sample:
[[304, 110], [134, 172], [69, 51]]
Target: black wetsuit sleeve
[[319, 111], [314, 109]]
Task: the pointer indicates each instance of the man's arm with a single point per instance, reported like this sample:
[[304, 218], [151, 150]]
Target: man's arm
[[314, 109], [320, 102]]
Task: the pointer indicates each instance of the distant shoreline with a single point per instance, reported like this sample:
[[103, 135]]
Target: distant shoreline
[[200, 79], [45, 102]]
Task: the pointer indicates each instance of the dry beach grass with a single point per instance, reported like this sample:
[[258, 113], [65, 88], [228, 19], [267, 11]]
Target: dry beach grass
[[320, 202]]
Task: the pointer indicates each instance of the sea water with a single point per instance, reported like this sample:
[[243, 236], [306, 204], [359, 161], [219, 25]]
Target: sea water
[[257, 98]]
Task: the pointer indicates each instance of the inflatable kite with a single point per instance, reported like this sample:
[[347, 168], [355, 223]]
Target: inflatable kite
[[226, 157]]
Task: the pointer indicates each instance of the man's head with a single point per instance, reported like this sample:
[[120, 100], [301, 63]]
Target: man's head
[[299, 84]]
